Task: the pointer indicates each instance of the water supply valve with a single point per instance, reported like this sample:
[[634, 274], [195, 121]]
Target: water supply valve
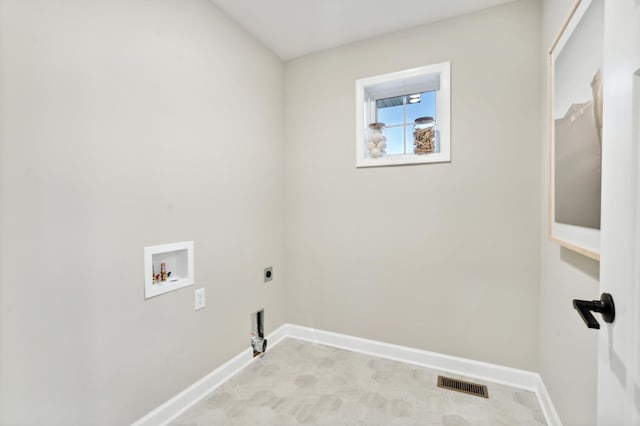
[[259, 345], [258, 342]]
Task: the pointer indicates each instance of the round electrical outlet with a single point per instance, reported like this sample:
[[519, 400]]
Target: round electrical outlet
[[268, 274]]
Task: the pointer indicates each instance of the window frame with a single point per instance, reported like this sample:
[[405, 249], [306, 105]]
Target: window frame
[[423, 79]]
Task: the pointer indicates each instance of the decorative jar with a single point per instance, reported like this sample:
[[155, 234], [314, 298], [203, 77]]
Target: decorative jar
[[376, 140], [425, 139]]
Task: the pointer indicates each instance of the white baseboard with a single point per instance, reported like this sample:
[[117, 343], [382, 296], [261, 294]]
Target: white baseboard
[[521, 379], [194, 393], [475, 369], [550, 413], [277, 336]]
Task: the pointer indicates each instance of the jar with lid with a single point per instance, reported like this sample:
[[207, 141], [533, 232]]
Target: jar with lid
[[425, 136], [376, 140]]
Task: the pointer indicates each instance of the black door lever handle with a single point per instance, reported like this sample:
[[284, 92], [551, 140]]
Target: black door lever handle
[[603, 306]]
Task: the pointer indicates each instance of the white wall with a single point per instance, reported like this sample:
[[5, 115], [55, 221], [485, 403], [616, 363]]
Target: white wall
[[568, 349], [441, 257], [126, 124]]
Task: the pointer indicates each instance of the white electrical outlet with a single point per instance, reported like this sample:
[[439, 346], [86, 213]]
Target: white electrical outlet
[[200, 299]]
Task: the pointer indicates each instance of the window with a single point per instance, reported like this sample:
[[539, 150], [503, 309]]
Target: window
[[399, 114], [397, 100]]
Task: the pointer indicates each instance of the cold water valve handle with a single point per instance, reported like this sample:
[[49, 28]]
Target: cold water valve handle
[[603, 306]]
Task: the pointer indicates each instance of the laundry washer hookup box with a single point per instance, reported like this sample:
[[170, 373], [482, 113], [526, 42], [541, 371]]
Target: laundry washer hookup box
[[167, 267]]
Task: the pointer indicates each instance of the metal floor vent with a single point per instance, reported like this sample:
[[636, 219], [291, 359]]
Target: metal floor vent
[[462, 386]]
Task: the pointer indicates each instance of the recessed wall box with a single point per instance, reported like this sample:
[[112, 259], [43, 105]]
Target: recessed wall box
[[167, 267]]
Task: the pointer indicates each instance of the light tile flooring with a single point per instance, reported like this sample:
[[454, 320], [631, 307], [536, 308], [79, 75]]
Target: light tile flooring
[[298, 382]]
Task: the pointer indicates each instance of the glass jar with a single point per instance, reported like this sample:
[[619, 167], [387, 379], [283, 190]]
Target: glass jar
[[424, 136], [376, 140]]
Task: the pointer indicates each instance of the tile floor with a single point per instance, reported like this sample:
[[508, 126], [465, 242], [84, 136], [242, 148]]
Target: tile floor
[[298, 382]]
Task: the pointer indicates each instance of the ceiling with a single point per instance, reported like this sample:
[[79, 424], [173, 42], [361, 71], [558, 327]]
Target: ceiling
[[294, 28]]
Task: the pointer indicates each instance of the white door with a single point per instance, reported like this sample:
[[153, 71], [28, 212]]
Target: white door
[[619, 342]]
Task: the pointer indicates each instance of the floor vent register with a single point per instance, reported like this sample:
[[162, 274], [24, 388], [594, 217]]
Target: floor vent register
[[462, 386]]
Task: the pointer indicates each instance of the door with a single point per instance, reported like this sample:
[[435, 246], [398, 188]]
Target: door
[[619, 348]]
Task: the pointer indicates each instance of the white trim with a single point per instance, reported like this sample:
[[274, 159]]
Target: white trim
[[428, 83], [194, 393], [466, 367], [403, 159], [514, 377], [190, 396], [410, 76], [369, 88], [550, 413], [277, 336]]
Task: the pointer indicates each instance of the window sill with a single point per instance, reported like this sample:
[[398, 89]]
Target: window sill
[[403, 159]]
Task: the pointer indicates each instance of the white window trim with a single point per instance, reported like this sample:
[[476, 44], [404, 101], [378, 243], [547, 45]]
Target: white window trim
[[404, 82]]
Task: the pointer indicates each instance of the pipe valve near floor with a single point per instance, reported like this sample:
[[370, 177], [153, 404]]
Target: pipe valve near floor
[[259, 345], [258, 342]]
